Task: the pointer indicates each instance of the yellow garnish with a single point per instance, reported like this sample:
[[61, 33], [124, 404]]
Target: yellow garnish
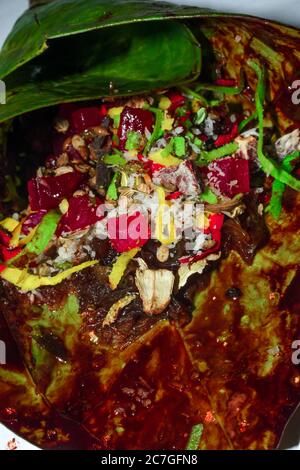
[[28, 238], [202, 220], [124, 179], [196, 105], [164, 103], [9, 224], [159, 230], [27, 282], [157, 157], [115, 112], [14, 242], [119, 267], [167, 123], [64, 206], [113, 312]]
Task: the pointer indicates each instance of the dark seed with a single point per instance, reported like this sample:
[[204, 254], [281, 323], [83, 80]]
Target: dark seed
[[233, 293]]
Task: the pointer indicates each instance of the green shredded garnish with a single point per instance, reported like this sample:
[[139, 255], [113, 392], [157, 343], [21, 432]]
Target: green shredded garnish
[[269, 166], [44, 233], [116, 119], [225, 150], [42, 237], [275, 204], [195, 437], [179, 146], [114, 160], [200, 116], [227, 90], [209, 196], [168, 149], [159, 116], [133, 140], [246, 121], [193, 94], [112, 191]]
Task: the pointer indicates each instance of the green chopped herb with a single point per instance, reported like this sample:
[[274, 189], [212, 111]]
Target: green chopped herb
[[179, 146], [188, 124], [275, 204], [269, 166], [198, 142], [116, 119], [133, 140], [195, 437], [63, 266], [200, 116], [114, 160], [181, 111], [209, 196], [157, 130], [112, 191], [44, 233], [225, 150]]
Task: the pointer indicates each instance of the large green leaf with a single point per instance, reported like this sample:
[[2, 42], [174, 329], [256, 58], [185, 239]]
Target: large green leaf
[[131, 59], [34, 31]]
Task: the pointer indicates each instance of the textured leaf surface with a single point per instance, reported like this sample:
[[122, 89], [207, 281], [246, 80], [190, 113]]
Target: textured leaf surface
[[131, 59], [61, 18]]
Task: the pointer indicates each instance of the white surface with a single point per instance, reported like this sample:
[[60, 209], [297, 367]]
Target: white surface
[[288, 12]]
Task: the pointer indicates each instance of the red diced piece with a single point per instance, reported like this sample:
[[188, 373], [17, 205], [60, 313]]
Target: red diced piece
[[230, 176], [6, 253], [82, 213], [177, 100], [32, 220], [134, 119], [2, 267], [215, 225], [127, 232], [227, 138], [85, 118], [173, 196], [4, 238], [48, 192], [229, 82], [103, 111]]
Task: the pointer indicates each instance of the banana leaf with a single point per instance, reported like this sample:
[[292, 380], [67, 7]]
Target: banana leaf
[[130, 59], [230, 368]]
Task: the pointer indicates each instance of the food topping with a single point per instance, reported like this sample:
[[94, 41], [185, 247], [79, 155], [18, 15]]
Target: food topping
[[177, 178]]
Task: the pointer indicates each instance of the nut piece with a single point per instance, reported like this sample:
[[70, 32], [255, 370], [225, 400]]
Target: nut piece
[[80, 145], [61, 125], [155, 288], [162, 253]]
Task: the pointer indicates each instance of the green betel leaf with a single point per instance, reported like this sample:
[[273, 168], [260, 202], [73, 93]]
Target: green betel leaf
[[34, 31], [130, 59]]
